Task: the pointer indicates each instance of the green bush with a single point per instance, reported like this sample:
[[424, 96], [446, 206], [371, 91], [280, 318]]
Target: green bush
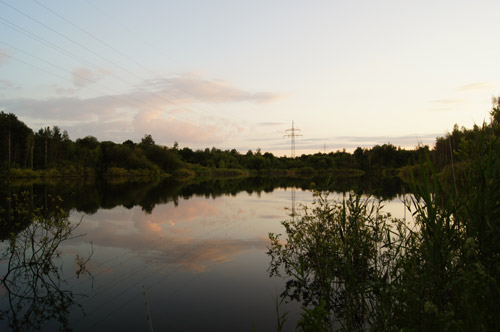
[[354, 268]]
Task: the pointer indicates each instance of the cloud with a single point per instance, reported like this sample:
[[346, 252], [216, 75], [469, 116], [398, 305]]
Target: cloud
[[152, 227], [317, 144], [3, 56], [475, 87], [179, 216], [84, 76], [440, 105], [64, 109], [115, 131], [386, 139], [198, 256], [447, 101], [160, 109], [6, 84], [169, 129], [166, 233], [370, 141], [112, 118], [192, 88], [271, 124], [68, 91]]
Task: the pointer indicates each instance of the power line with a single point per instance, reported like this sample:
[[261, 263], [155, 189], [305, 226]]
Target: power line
[[161, 88], [44, 41], [70, 39], [113, 63], [74, 74], [57, 48], [49, 72], [87, 87], [71, 55], [163, 54], [93, 36]]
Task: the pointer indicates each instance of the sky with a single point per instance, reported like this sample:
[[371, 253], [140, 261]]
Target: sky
[[235, 74]]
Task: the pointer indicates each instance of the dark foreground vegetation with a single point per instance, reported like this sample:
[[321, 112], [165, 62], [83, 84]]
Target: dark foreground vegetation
[[50, 153], [33, 281], [353, 267]]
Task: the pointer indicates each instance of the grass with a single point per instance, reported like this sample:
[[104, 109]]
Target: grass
[[51, 173]]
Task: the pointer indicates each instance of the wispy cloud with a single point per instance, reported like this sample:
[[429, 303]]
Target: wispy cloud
[[3, 56], [83, 76], [5, 84], [170, 227], [271, 124], [111, 119], [192, 88], [170, 129], [447, 101], [64, 91], [65, 109], [115, 131], [440, 105], [475, 87], [320, 144], [198, 257], [162, 110]]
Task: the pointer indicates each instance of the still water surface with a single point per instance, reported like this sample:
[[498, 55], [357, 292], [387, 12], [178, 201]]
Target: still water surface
[[195, 262]]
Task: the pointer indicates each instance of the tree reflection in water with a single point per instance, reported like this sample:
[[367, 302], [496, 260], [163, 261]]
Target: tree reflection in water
[[33, 288]]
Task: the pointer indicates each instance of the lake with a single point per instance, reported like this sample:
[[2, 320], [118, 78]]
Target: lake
[[188, 256]]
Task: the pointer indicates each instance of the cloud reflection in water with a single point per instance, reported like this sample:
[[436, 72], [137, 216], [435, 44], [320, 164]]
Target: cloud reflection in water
[[193, 235]]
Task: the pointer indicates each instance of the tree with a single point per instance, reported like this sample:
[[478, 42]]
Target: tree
[[147, 141], [88, 151], [52, 147], [128, 143], [16, 141]]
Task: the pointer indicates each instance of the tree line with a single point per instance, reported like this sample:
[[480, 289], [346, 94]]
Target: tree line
[[51, 148]]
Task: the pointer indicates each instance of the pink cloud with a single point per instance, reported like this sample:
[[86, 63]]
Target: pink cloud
[[5, 84], [84, 76], [192, 89], [152, 227], [170, 129], [165, 247], [197, 258], [3, 56], [175, 218], [68, 91], [158, 110]]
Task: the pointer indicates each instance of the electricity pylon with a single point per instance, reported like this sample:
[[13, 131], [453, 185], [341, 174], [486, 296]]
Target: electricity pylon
[[292, 134]]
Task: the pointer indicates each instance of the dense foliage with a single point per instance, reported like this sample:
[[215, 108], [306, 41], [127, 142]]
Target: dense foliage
[[52, 149], [354, 268]]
